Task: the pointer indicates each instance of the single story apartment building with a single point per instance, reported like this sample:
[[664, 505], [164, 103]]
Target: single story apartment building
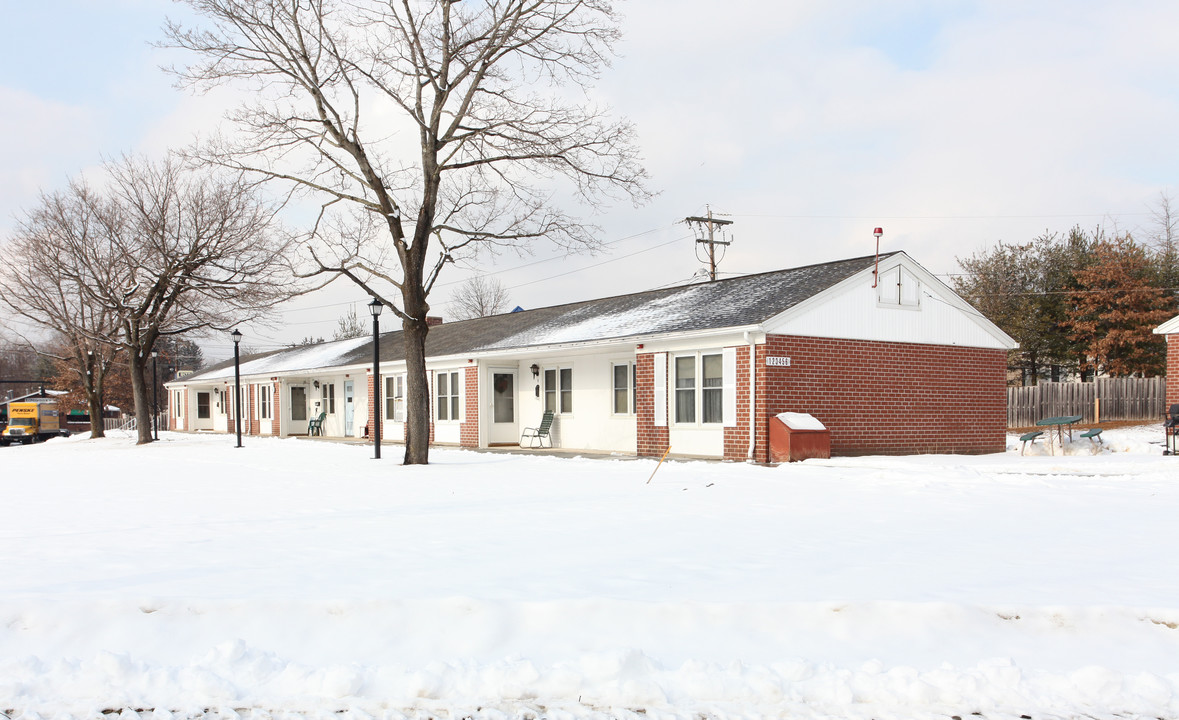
[[886, 355]]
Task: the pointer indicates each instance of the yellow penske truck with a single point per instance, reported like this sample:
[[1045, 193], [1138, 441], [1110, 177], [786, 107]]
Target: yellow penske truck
[[30, 422]]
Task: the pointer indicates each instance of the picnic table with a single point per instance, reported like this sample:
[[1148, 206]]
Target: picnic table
[[1059, 423]]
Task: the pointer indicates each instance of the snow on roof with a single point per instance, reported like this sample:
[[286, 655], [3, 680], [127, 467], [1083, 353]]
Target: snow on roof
[[308, 357]]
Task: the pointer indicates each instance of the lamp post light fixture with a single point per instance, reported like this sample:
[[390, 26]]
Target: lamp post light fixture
[[155, 396], [375, 307], [237, 384]]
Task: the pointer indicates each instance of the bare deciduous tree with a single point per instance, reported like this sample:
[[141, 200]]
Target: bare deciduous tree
[[349, 325], [434, 121], [478, 296], [164, 252], [37, 284]]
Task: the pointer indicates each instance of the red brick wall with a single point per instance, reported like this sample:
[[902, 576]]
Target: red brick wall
[[737, 438], [275, 417], [469, 428], [1172, 369], [651, 440], [374, 403], [889, 398], [250, 411]]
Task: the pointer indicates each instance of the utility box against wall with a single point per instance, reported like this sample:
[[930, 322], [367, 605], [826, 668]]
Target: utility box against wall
[[798, 436]]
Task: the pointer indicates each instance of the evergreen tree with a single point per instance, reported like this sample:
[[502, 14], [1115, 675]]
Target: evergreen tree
[[1117, 307]]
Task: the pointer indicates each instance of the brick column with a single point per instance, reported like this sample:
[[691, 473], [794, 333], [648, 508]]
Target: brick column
[[469, 428], [650, 440], [1172, 370]]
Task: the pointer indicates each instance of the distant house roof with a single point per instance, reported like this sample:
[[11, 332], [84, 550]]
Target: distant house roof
[[1170, 327], [735, 302]]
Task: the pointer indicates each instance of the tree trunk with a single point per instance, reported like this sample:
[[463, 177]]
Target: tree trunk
[[139, 391], [417, 416], [94, 402]]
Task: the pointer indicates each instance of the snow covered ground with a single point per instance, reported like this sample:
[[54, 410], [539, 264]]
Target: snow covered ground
[[296, 579]]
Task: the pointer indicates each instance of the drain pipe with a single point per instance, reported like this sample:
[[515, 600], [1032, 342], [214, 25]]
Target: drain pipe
[[752, 394]]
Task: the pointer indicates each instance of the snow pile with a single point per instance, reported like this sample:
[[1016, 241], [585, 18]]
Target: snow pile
[[293, 579]]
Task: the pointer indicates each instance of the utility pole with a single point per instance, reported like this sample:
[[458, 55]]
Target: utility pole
[[705, 235]]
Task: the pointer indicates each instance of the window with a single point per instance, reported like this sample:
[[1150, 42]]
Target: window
[[203, 406], [685, 389], [712, 393], [897, 287], [448, 396], [264, 402], [558, 390], [626, 388], [176, 405], [329, 398], [395, 398], [699, 388]]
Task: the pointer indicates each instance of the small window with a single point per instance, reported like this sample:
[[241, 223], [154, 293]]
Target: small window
[[329, 398], [448, 396], [626, 388], [395, 398], [897, 287], [550, 391], [685, 389], [712, 391], [558, 390], [621, 389], [566, 390], [264, 402], [203, 411]]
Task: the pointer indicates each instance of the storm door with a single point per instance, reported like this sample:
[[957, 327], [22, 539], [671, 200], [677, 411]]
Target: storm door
[[503, 425]]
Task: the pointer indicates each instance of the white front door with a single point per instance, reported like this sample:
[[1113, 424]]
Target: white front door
[[349, 408], [503, 427]]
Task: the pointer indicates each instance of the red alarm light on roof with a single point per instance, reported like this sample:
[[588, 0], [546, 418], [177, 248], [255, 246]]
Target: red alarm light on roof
[[878, 232]]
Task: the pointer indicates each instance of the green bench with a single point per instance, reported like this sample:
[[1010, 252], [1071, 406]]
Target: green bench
[[1029, 437], [1095, 433]]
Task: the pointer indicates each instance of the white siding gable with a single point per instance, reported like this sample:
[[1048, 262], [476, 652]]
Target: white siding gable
[[908, 305]]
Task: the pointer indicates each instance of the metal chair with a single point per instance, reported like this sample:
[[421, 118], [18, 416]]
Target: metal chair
[[537, 435]]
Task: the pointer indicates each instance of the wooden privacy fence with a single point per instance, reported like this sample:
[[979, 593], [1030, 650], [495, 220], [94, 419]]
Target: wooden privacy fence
[[1120, 399]]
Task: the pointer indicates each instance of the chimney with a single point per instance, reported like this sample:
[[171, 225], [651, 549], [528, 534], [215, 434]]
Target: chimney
[[432, 320]]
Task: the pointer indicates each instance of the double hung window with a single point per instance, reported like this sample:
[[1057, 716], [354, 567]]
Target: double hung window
[[448, 396], [558, 390], [395, 398], [699, 389]]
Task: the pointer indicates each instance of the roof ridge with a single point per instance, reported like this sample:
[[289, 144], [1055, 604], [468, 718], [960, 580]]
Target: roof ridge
[[677, 287]]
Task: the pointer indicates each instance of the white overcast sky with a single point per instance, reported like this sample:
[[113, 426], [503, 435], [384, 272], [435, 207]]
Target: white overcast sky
[[953, 125]]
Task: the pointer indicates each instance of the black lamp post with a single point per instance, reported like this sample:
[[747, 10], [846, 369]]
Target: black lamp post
[[375, 307], [237, 385], [155, 397]]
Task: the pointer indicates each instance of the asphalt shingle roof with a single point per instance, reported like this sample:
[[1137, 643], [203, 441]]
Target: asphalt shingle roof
[[734, 302]]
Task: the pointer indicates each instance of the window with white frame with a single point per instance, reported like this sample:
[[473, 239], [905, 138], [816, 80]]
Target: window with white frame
[[328, 392], [176, 406], [699, 388], [558, 390], [448, 396], [625, 386], [897, 287], [395, 398], [264, 402]]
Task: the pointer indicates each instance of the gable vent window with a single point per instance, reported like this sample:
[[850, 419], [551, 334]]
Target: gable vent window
[[898, 288]]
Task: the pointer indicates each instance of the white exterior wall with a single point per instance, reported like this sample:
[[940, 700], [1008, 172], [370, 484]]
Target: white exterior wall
[[592, 425], [853, 310]]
